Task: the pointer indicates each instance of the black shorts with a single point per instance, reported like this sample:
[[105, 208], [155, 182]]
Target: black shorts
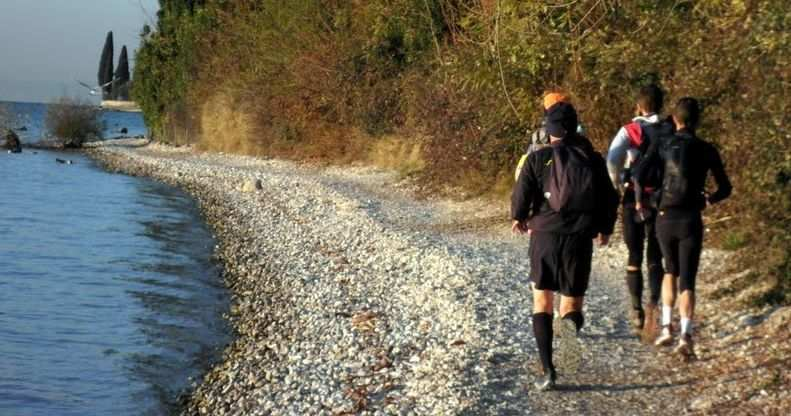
[[681, 241], [638, 235], [561, 262]]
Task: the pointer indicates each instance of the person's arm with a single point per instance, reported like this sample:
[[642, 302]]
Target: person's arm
[[523, 195], [607, 201], [717, 168], [616, 157]]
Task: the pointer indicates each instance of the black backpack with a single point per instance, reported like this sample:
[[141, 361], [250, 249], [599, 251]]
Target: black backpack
[[652, 172], [676, 154], [570, 186]]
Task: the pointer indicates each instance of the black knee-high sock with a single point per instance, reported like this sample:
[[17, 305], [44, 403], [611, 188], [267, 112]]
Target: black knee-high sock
[[634, 280], [655, 275], [542, 328], [577, 318]]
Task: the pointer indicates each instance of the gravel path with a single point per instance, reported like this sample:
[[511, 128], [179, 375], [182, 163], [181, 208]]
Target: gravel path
[[352, 297]]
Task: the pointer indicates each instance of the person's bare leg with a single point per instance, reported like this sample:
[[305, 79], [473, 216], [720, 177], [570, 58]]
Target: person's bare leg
[[668, 299], [686, 304], [686, 308], [571, 308], [570, 304], [669, 290], [543, 301], [570, 348]]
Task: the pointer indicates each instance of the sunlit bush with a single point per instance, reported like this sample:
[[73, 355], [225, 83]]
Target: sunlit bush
[[462, 80], [72, 122]]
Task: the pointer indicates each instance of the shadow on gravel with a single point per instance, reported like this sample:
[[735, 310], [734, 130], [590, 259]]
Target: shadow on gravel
[[613, 387]]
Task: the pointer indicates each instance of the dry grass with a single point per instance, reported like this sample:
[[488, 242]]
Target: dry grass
[[398, 153], [225, 127]]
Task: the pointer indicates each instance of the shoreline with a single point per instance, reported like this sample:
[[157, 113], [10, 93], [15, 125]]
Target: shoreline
[[348, 297], [223, 390]]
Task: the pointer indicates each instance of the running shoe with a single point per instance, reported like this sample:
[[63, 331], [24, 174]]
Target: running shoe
[[685, 346], [665, 337], [547, 381], [569, 355]]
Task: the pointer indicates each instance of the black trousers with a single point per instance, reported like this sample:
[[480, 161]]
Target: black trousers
[[639, 237]]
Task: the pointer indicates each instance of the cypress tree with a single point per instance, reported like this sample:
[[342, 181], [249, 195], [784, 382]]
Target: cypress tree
[[106, 66], [121, 83]]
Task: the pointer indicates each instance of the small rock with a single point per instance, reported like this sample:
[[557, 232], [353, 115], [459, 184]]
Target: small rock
[[700, 403], [251, 185], [750, 320], [780, 319]]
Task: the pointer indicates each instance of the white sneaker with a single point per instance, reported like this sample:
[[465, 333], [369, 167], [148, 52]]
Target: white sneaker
[[665, 337], [685, 346]]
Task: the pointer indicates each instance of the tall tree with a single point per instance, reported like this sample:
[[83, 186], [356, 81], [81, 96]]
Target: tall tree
[[121, 81], [106, 67]]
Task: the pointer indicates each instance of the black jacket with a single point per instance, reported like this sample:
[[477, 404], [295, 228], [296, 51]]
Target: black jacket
[[528, 201], [707, 159]]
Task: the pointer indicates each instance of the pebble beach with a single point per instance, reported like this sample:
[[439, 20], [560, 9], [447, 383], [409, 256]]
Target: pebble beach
[[352, 296]]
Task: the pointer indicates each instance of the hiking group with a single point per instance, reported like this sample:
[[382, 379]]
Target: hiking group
[[566, 195]]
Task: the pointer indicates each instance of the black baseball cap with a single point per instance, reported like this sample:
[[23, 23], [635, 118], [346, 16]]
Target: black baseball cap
[[561, 119]]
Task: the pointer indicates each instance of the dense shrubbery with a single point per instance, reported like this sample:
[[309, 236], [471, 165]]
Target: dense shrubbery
[[463, 80], [73, 122]]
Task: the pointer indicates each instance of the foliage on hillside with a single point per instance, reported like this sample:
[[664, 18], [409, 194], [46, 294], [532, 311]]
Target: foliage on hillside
[[462, 80]]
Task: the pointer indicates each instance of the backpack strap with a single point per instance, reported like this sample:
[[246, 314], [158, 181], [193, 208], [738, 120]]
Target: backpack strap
[[635, 132]]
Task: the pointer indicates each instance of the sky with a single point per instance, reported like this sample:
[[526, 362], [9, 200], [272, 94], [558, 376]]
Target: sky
[[46, 45]]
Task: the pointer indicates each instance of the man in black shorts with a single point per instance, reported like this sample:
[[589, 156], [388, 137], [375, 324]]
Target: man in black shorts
[[683, 161], [563, 199]]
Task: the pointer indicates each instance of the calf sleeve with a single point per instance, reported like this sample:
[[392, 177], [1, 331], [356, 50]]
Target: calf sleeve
[[577, 318], [655, 276], [542, 328], [634, 281]]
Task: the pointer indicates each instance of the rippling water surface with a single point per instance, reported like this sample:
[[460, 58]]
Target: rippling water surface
[[109, 301]]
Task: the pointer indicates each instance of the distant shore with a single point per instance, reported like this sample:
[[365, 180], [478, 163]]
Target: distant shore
[[51, 144], [125, 106], [351, 297]]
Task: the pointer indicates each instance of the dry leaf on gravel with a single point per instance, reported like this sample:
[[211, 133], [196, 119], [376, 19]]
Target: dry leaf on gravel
[[364, 321]]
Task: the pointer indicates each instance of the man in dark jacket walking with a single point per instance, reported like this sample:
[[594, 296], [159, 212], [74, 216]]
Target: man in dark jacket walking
[[563, 199], [683, 161]]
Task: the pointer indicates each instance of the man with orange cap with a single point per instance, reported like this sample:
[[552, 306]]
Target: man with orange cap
[[563, 199], [539, 138]]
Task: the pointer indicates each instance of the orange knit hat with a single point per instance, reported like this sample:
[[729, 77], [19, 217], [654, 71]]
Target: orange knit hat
[[554, 98]]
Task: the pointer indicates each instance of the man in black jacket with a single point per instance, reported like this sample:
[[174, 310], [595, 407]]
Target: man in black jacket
[[683, 161], [561, 245]]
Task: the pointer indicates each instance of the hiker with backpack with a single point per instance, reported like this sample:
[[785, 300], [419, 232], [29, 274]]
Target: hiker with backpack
[[683, 162], [539, 137], [563, 199], [639, 233]]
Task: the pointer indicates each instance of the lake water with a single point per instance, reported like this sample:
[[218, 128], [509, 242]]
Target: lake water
[[28, 119], [109, 299]]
